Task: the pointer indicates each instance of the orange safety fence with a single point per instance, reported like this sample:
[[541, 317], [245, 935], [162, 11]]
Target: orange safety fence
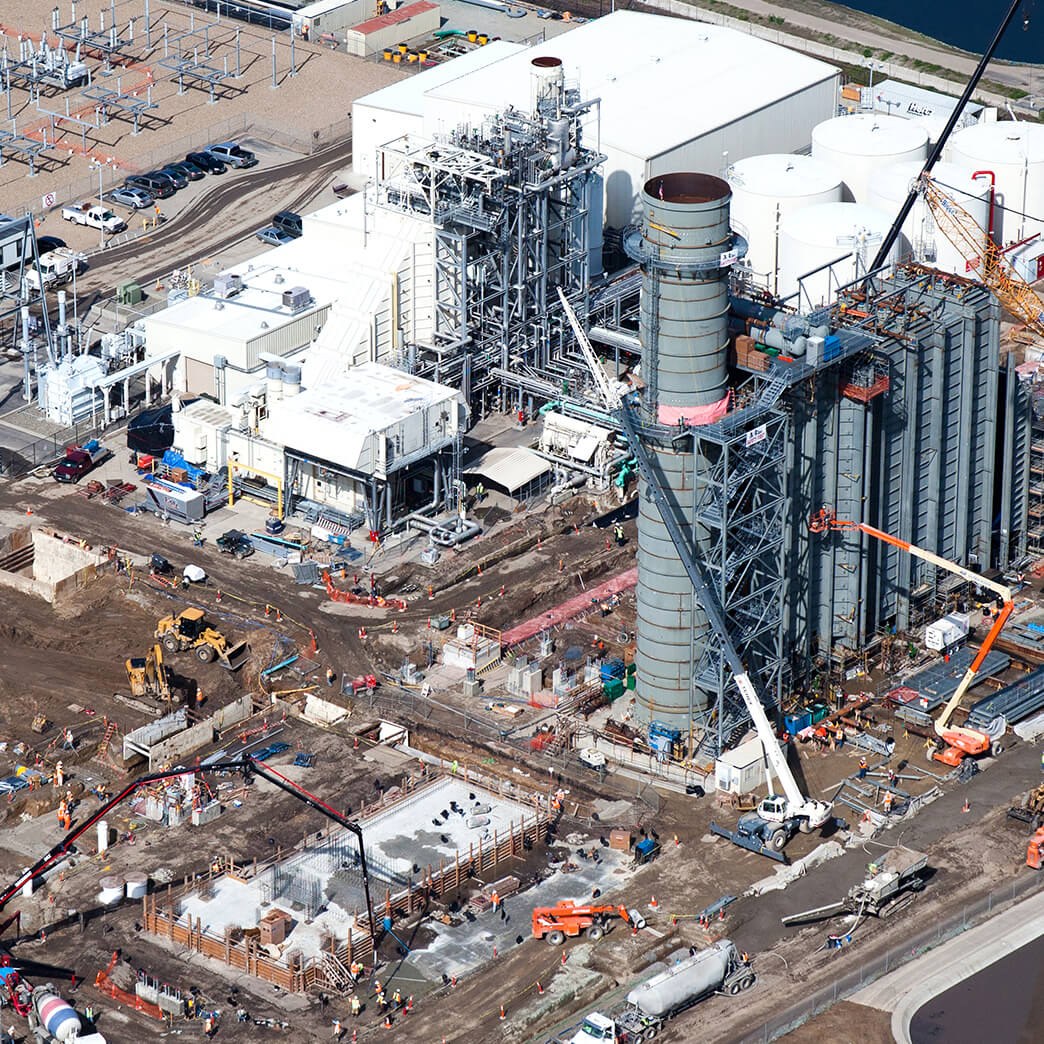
[[131, 1000]]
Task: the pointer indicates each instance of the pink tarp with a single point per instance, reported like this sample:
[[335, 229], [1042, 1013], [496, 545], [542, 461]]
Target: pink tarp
[[567, 610], [694, 416]]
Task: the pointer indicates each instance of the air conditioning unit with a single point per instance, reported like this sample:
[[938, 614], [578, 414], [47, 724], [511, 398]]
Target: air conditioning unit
[[228, 285], [296, 298]]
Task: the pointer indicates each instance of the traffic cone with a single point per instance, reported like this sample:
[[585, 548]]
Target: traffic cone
[[355, 1036], [315, 644], [561, 565], [563, 956], [453, 981], [429, 623], [494, 953], [387, 1021], [576, 528], [721, 914], [965, 807], [279, 616], [218, 599], [268, 611], [502, 1015], [540, 989], [409, 1003], [453, 616], [502, 590], [480, 569], [431, 592], [395, 626], [478, 602], [653, 904], [356, 747], [607, 545], [28, 510]]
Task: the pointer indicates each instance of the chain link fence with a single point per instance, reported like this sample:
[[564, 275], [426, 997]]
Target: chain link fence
[[871, 970], [19, 460]]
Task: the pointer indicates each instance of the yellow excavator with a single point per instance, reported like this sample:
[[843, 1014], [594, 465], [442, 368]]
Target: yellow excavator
[[189, 630], [148, 676]]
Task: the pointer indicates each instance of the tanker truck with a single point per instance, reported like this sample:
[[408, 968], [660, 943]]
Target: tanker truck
[[717, 969]]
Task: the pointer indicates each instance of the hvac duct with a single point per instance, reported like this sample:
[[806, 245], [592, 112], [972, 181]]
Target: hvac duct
[[683, 331]]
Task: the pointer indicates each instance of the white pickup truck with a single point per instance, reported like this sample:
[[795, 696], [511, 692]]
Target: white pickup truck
[[94, 216]]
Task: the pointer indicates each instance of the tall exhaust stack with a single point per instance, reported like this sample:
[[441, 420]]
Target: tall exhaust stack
[[684, 331]]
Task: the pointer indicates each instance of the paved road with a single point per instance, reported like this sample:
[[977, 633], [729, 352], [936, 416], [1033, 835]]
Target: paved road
[[1028, 78], [217, 219]]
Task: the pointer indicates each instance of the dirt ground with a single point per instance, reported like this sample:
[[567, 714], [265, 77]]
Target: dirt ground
[[86, 639], [320, 94]]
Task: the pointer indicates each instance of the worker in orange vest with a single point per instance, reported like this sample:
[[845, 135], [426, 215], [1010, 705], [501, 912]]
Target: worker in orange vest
[[495, 900], [888, 802]]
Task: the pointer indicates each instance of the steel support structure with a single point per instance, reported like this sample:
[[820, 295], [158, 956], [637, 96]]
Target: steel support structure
[[509, 207], [740, 499]]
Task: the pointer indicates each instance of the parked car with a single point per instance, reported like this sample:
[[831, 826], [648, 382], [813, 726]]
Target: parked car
[[177, 178], [128, 196], [186, 170], [289, 222], [158, 188], [273, 236], [45, 244], [233, 154], [204, 161]]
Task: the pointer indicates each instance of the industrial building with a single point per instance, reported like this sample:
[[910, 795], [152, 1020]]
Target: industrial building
[[645, 72], [773, 381]]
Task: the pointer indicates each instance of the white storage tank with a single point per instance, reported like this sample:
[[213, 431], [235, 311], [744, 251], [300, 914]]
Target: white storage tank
[[888, 192], [1014, 152], [815, 236], [765, 189], [861, 144]]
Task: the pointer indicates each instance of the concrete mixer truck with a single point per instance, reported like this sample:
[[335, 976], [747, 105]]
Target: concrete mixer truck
[[54, 1021], [717, 969]]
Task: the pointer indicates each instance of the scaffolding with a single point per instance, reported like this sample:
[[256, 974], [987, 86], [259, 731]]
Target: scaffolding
[[509, 205]]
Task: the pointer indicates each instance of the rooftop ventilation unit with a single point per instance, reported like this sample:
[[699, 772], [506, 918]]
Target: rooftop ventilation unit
[[228, 285], [296, 298]]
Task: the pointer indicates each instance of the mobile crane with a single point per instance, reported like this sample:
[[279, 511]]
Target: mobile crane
[[779, 816], [954, 742]]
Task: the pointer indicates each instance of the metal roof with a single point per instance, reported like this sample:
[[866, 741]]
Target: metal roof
[[661, 81], [509, 467]]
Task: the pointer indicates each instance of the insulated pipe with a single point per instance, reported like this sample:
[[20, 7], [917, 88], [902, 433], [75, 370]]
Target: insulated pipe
[[993, 189]]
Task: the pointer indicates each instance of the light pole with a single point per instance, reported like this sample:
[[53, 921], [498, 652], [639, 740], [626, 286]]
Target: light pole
[[101, 204]]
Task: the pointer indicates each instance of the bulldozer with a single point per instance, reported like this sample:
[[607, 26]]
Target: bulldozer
[[148, 675], [189, 630]]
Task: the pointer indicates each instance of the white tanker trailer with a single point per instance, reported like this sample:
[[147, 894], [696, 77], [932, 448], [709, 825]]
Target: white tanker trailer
[[717, 969]]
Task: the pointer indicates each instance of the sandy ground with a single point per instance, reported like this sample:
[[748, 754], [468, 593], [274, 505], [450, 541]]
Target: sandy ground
[[318, 96]]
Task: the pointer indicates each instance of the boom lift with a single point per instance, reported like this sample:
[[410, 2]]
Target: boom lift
[[955, 742], [565, 918], [780, 816]]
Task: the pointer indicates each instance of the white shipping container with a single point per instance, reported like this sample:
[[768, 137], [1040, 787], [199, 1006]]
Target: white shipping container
[[942, 634], [741, 770]]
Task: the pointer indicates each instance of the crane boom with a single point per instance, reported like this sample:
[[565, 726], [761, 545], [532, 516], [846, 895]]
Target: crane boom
[[826, 520], [983, 256], [818, 812]]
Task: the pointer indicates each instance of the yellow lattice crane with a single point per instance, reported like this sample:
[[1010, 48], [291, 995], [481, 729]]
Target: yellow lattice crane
[[983, 257]]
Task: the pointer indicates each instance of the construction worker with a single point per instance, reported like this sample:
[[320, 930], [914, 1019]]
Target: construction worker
[[620, 538], [330, 676], [495, 900], [397, 999], [70, 743], [382, 1002], [862, 768], [62, 811], [190, 1006], [355, 970], [336, 1029], [59, 775], [891, 777], [888, 802], [355, 1005], [480, 493]]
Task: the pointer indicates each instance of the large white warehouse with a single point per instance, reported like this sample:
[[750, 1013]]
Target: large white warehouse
[[674, 95]]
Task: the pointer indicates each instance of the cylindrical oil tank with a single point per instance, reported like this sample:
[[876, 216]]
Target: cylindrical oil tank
[[665, 993], [1014, 152], [815, 236], [764, 189], [683, 328], [888, 191], [861, 144], [57, 1015]]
